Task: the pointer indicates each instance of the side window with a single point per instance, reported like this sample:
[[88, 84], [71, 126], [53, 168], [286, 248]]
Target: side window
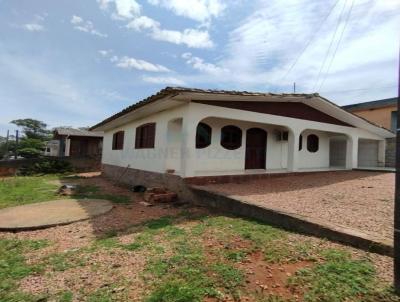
[[231, 137], [203, 136], [312, 143], [118, 140], [145, 136]]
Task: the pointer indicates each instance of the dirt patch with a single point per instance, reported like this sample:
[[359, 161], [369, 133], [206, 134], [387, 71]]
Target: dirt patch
[[79, 234], [270, 279], [117, 272]]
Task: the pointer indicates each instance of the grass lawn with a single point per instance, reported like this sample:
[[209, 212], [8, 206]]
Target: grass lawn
[[186, 256], [22, 190], [185, 259]]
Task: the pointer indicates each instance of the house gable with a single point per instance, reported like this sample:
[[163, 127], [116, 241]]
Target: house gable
[[287, 109]]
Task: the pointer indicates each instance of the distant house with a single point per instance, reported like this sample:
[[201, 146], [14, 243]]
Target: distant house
[[189, 133], [75, 143], [383, 113]]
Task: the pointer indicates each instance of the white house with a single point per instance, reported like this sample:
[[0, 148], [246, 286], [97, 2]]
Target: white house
[[206, 133]]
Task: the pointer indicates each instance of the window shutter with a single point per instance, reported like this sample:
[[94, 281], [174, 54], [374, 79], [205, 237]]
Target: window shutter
[[152, 135], [118, 140], [137, 137], [121, 140], [145, 136]]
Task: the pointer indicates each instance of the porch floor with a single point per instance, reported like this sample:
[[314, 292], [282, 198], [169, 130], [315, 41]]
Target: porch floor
[[360, 200]]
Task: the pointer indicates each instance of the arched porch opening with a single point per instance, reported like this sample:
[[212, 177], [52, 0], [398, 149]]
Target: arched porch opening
[[323, 150]]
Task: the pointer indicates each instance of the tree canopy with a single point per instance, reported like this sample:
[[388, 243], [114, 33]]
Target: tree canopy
[[34, 129]]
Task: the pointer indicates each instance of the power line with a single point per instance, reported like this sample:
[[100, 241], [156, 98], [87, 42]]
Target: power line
[[346, 21], [309, 41], [330, 44]]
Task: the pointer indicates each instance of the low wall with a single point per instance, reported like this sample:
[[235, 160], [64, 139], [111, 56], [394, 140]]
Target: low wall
[[79, 164], [132, 177], [294, 222]]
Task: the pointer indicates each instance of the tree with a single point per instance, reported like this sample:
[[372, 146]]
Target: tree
[[6, 148], [33, 128], [33, 138]]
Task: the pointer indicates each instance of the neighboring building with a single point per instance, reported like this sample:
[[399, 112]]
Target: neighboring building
[[191, 133], [383, 113], [74, 143]]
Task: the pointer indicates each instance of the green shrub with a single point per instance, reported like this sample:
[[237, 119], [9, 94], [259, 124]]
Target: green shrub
[[47, 166], [29, 152]]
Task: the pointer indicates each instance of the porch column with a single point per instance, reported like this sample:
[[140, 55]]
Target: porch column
[[352, 152], [349, 153], [381, 153], [293, 150], [61, 146], [188, 146], [67, 147]]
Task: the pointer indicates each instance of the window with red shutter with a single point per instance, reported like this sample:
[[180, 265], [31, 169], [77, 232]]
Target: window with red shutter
[[145, 136], [118, 140]]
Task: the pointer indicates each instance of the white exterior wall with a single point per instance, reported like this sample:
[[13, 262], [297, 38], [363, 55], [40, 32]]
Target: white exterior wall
[[216, 158], [153, 160], [319, 159], [178, 151]]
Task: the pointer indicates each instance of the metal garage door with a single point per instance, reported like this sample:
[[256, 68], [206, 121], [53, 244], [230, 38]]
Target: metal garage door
[[337, 152], [368, 153]]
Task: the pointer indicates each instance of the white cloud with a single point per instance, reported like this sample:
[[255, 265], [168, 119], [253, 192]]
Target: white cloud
[[199, 64], [123, 9], [105, 53], [267, 42], [76, 20], [190, 37], [164, 80], [36, 24], [142, 23], [33, 27], [85, 26], [199, 10], [132, 63]]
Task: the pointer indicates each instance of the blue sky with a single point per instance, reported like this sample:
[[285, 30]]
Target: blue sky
[[74, 63]]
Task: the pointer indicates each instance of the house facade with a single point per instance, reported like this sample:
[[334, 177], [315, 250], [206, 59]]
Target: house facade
[[191, 133], [72, 142], [383, 113]]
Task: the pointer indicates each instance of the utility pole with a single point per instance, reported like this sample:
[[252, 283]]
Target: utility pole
[[396, 262], [294, 87], [7, 138], [16, 144]]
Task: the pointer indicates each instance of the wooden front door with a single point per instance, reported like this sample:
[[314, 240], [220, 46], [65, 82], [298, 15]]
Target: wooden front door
[[256, 148]]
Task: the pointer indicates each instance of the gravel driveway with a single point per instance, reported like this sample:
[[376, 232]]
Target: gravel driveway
[[356, 199]]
